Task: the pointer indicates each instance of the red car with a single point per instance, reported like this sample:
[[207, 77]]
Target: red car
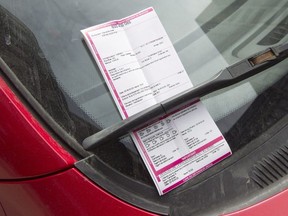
[[52, 97]]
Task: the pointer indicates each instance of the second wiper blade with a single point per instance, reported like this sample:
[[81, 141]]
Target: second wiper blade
[[229, 76]]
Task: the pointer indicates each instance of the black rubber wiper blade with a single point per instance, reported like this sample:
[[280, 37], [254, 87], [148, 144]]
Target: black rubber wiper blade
[[233, 74]]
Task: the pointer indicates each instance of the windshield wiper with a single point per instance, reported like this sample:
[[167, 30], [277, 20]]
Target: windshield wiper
[[229, 76]]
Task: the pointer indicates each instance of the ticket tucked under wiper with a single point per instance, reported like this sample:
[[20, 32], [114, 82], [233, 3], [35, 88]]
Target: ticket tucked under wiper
[[171, 128]]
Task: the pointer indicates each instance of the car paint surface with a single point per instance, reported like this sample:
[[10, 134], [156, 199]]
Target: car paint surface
[[65, 193], [26, 149]]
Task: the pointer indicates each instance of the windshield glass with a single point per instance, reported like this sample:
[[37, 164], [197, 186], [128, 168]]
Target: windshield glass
[[41, 42]]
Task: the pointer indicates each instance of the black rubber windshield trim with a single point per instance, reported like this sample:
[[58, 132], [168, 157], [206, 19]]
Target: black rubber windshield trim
[[21, 91]]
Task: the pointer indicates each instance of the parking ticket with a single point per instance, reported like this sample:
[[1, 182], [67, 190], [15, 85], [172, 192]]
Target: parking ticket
[[141, 68]]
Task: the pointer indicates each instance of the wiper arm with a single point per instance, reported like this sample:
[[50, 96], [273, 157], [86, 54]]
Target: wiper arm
[[233, 74]]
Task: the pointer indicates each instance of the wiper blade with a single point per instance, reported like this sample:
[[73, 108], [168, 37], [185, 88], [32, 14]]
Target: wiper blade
[[233, 74]]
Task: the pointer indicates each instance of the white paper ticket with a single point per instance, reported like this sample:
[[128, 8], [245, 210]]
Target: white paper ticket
[[142, 68]]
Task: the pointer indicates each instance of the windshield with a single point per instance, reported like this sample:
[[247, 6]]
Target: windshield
[[41, 42]]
